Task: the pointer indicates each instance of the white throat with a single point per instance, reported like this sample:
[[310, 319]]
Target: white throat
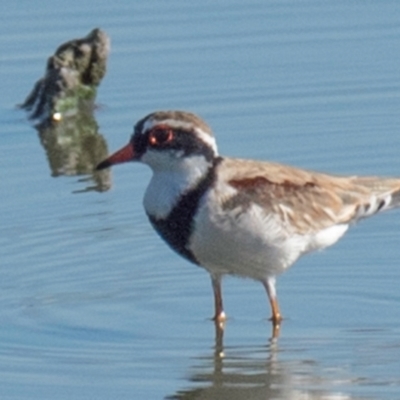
[[172, 177]]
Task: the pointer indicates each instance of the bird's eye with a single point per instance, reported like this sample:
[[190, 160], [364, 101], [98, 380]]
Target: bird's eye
[[160, 136]]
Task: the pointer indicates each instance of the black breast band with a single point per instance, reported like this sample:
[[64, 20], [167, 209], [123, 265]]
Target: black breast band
[[177, 227]]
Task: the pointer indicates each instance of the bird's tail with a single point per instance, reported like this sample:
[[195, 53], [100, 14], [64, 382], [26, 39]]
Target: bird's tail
[[382, 194]]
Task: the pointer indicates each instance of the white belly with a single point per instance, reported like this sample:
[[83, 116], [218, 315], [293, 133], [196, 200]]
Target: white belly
[[251, 243]]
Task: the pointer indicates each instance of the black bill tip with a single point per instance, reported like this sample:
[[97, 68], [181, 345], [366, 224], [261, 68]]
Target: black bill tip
[[103, 165]]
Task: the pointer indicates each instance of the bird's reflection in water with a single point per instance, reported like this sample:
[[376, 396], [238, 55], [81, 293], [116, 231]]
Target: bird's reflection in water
[[73, 147], [255, 372]]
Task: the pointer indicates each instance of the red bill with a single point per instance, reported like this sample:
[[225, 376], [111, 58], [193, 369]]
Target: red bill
[[125, 154]]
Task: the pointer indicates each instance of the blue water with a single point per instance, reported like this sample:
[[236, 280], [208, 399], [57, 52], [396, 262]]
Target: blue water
[[93, 305]]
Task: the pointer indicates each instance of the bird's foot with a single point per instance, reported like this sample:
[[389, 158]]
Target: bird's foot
[[276, 319], [276, 325], [220, 319]]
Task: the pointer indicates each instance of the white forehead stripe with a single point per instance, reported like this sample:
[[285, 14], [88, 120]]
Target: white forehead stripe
[[208, 139], [173, 123]]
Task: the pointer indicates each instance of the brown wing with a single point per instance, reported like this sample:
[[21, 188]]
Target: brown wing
[[306, 201]]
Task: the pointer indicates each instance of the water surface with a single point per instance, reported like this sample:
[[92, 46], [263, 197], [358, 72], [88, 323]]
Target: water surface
[[94, 305]]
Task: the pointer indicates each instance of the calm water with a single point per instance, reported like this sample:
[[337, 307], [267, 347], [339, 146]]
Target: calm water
[[94, 306]]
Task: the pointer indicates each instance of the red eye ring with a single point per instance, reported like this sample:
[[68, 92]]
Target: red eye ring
[[160, 135]]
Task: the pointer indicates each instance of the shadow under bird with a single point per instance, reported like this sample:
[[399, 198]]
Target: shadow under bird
[[241, 217]]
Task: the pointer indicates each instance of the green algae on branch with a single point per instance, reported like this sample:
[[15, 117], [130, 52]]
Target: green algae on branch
[[71, 79], [61, 105]]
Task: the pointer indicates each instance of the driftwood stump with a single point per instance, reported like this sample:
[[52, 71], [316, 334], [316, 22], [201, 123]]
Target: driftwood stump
[[71, 78], [61, 105]]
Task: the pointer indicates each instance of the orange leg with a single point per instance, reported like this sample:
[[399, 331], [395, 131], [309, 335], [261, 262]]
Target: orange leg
[[269, 285], [219, 315]]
